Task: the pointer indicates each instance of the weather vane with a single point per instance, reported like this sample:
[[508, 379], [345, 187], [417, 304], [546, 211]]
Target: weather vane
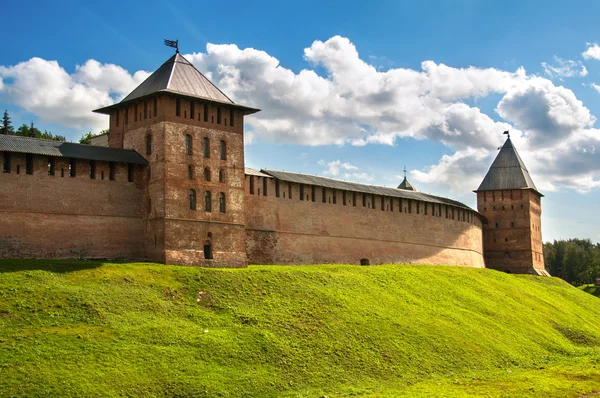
[[507, 133], [173, 43]]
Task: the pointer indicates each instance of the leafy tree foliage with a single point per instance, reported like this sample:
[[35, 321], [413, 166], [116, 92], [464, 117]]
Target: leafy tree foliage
[[86, 138], [34, 132], [575, 260], [7, 127]]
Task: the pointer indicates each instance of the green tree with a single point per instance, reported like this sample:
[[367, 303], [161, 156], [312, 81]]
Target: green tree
[[86, 138], [34, 132], [7, 127]]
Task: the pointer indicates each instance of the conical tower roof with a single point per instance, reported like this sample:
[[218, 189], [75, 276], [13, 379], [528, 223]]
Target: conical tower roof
[[407, 186], [178, 76], [507, 172]]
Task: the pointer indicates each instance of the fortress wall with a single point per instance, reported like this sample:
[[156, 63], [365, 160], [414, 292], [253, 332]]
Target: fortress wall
[[43, 216], [281, 230]]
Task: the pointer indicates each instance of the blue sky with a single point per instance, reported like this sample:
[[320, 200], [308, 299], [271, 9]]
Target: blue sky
[[443, 124]]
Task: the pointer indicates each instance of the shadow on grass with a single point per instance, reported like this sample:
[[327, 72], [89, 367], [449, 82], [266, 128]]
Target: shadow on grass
[[58, 266]]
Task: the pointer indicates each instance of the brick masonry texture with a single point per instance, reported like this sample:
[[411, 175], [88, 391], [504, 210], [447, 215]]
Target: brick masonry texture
[[152, 218]]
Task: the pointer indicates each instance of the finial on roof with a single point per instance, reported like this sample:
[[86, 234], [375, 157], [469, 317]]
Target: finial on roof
[[174, 44], [507, 133], [405, 172], [407, 186]]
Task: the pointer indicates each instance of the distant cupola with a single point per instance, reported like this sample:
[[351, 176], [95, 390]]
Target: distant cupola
[[405, 185]]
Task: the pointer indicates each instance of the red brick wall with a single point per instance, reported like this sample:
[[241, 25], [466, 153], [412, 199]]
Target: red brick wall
[[293, 231], [512, 235], [58, 216]]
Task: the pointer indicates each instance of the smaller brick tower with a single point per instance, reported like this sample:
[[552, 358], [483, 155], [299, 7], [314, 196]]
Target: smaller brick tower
[[509, 200]]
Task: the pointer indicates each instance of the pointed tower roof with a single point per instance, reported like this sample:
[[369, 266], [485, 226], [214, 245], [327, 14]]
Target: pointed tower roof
[[507, 172], [407, 186], [178, 76]]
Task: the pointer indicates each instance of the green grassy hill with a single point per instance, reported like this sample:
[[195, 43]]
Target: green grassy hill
[[76, 328], [592, 289]]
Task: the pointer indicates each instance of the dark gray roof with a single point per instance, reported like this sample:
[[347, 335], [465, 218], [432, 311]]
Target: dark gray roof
[[36, 146], [354, 186], [406, 185], [179, 76], [253, 172], [507, 172]]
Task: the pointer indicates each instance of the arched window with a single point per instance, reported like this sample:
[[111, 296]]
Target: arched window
[[206, 174], [188, 145], [223, 150], [207, 201], [190, 172], [221, 175], [149, 144], [206, 147], [222, 202], [192, 199]]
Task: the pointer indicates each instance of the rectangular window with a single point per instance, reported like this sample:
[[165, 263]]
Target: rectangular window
[[373, 202], [129, 172], [418, 207], [117, 118], [145, 109], [218, 115], [276, 188], [177, 107], [155, 106], [312, 193], [111, 171], [231, 115], [6, 163], [364, 199], [265, 182], [334, 197], [251, 185], [354, 199], [135, 113], [289, 190], [28, 163], [206, 112], [72, 168], [92, 169], [440, 210], [50, 166], [192, 109], [301, 191], [324, 194], [410, 206], [344, 198], [425, 208]]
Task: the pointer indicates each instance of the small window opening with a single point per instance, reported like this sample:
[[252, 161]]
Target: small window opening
[[207, 202], [189, 149], [231, 115], [223, 150], [28, 163], [92, 169], [149, 144], [265, 182], [364, 261], [129, 172], [135, 113], [222, 202], [155, 106], [313, 192], [102, 175], [344, 198], [354, 199], [221, 175], [190, 172], [496, 225], [276, 188], [301, 191], [364, 200], [111, 171], [206, 147], [208, 251], [206, 174], [324, 194], [192, 195], [72, 168], [289, 191], [206, 112], [382, 203], [218, 115], [126, 112], [117, 118], [251, 185], [334, 197], [145, 109], [177, 107], [50, 166], [192, 110]]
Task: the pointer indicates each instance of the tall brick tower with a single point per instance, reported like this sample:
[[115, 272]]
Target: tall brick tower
[[509, 200], [192, 135]]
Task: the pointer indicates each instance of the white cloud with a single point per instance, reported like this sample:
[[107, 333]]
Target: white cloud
[[592, 51], [342, 99], [334, 167], [595, 87], [564, 68], [44, 88]]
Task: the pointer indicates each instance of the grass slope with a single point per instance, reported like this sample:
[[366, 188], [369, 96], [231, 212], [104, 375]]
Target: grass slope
[[592, 289], [76, 328]]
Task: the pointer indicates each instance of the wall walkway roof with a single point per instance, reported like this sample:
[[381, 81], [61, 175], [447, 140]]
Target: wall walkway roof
[[36, 146]]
